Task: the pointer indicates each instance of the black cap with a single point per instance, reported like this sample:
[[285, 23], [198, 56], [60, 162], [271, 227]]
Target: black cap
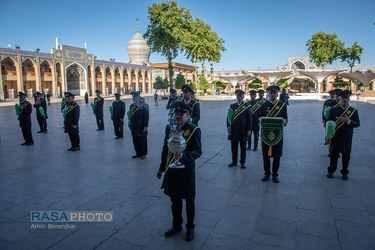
[[117, 94], [261, 91], [69, 94], [331, 92], [38, 93], [172, 91], [239, 92], [136, 93], [252, 92], [21, 94], [273, 88], [180, 107], [97, 91], [187, 88], [345, 93]]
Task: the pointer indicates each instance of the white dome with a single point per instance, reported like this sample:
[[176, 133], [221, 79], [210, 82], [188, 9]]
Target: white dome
[[138, 49]]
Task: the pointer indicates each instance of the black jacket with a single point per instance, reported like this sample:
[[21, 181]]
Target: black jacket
[[139, 120], [254, 116], [41, 103], [25, 115], [277, 150], [342, 141], [196, 111], [72, 118], [118, 112], [180, 183], [170, 101], [98, 103], [241, 124]]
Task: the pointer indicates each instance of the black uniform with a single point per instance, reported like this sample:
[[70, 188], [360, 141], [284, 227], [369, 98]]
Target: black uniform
[[86, 98], [118, 114], [42, 120], [284, 98], [139, 114], [240, 125], [342, 141], [99, 103], [254, 124], [196, 111], [25, 121], [71, 118], [179, 184], [170, 101], [277, 150]]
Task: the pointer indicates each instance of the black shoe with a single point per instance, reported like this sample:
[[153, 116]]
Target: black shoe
[[275, 179], [98, 129], [135, 156], [143, 157], [40, 131], [265, 178], [243, 165], [172, 231], [23, 144], [345, 177], [76, 149], [232, 164], [70, 149], [329, 175], [255, 149], [30, 143], [189, 235], [117, 138]]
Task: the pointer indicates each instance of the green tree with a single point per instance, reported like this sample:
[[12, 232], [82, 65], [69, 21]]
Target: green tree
[[168, 22], [339, 82], [180, 80], [255, 84], [219, 85], [283, 83], [203, 84], [324, 48], [161, 84], [352, 55]]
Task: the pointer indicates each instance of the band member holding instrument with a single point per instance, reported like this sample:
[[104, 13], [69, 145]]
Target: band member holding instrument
[[179, 183], [239, 127], [138, 117], [71, 117], [332, 104], [188, 98], [98, 110], [41, 112], [24, 116], [118, 116], [346, 118], [255, 108], [324, 113], [272, 108]]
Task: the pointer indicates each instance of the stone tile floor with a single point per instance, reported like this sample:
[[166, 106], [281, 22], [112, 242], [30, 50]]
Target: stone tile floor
[[234, 208]]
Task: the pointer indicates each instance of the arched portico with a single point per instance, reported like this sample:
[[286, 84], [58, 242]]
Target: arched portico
[[76, 80]]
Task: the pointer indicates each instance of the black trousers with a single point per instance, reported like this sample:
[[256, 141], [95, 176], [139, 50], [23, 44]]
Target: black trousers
[[140, 145], [333, 163], [42, 124], [74, 139], [234, 147], [256, 138], [177, 212], [119, 130], [100, 122], [267, 165], [27, 136]]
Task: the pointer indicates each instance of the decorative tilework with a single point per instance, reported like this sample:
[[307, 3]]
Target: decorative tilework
[[23, 58]]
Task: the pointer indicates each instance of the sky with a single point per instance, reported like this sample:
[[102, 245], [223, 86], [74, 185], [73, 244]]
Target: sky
[[258, 34]]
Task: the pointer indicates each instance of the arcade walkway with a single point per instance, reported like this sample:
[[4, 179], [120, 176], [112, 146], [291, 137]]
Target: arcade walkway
[[234, 208]]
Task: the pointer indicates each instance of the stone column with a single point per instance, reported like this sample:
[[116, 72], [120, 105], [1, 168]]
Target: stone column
[[38, 76], [150, 81], [2, 96], [54, 79], [144, 82], [136, 80], [122, 79], [93, 79], [104, 82], [113, 80], [19, 75], [185, 76]]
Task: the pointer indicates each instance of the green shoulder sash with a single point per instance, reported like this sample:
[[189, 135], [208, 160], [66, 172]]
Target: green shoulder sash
[[276, 109]]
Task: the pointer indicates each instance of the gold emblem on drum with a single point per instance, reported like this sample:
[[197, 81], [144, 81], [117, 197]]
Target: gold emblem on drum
[[271, 136]]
